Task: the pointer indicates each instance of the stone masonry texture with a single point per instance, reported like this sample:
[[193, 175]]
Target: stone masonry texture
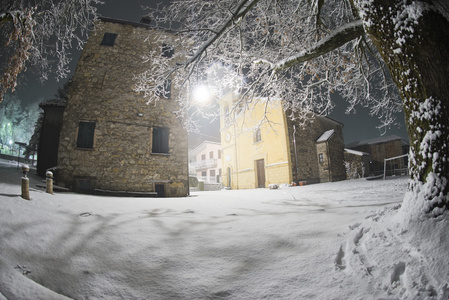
[[102, 92]]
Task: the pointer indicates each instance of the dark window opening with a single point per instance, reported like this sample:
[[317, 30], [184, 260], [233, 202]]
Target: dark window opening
[[164, 90], [108, 39], [219, 154], [203, 156], [160, 140], [167, 51], [86, 132], [212, 173], [211, 154]]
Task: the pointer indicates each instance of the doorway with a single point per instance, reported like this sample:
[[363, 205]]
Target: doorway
[[260, 169], [160, 190]]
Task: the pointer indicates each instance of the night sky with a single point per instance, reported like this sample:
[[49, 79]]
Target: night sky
[[358, 126]]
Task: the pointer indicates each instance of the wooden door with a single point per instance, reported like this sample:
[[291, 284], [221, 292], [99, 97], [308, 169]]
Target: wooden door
[[160, 190], [260, 167]]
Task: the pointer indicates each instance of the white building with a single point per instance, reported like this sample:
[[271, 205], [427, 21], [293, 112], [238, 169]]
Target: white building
[[205, 162]]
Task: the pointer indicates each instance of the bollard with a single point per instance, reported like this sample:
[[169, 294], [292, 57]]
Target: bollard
[[25, 183], [49, 175]]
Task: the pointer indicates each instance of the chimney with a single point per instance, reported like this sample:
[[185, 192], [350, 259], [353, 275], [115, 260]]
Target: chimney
[[145, 20]]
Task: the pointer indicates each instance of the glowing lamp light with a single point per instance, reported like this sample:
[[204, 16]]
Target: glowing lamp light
[[10, 142], [201, 94]]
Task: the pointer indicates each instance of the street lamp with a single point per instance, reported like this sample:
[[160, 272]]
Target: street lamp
[[201, 94]]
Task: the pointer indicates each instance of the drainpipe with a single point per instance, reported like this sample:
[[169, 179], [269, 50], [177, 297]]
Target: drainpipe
[[236, 157], [329, 161], [296, 153]]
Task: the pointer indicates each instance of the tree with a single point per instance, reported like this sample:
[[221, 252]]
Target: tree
[[16, 120], [387, 55], [41, 33]]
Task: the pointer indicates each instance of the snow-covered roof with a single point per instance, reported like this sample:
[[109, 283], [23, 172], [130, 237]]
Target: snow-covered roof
[[53, 102], [379, 140], [325, 136], [358, 153]]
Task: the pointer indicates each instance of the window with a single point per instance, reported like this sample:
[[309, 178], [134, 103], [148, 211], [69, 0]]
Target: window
[[321, 157], [219, 154], [211, 154], [227, 117], [204, 174], [212, 173], [86, 132], [164, 90], [203, 156], [160, 140], [257, 136], [108, 39], [167, 51]]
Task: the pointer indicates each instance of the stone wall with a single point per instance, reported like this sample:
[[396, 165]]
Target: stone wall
[[305, 164], [331, 168], [357, 165], [380, 151], [121, 158]]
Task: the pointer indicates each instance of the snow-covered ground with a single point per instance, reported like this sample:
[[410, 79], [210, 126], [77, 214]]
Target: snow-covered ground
[[343, 240]]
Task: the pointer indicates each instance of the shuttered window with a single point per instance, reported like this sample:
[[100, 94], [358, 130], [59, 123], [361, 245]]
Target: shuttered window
[[164, 91], [86, 131], [160, 140], [108, 39], [167, 51]]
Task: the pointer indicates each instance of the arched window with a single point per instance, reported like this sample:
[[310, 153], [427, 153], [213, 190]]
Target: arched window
[[227, 117], [257, 136]]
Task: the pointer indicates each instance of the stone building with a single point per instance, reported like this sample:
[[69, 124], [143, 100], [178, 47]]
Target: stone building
[[47, 150], [382, 148], [357, 164], [111, 140], [278, 150]]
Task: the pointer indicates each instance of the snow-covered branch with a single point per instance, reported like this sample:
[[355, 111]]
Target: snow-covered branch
[[40, 33], [333, 41]]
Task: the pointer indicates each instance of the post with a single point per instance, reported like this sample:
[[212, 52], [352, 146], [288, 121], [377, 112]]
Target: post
[[49, 176], [25, 183]]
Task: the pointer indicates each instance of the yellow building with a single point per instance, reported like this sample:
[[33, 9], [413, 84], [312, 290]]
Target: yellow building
[[261, 146]]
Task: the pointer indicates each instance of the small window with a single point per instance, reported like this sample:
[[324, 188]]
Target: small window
[[321, 157], [160, 140], [165, 90], [203, 156], [257, 136], [211, 154], [167, 51], [227, 117], [219, 154], [212, 173], [204, 174], [108, 39], [86, 132]]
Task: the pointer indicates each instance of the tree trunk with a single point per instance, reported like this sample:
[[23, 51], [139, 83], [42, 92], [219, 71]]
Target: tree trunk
[[413, 39]]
